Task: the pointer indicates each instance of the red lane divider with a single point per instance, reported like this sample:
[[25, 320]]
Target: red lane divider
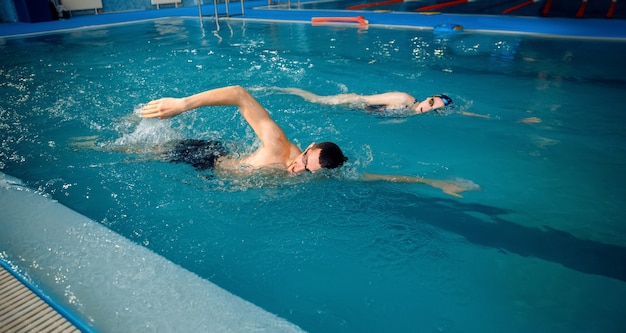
[[546, 8], [521, 5], [441, 5], [609, 14], [581, 10], [374, 4]]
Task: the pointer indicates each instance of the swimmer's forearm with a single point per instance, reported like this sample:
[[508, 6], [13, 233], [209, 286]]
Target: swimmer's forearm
[[232, 95], [170, 107], [470, 114], [453, 188], [395, 178]]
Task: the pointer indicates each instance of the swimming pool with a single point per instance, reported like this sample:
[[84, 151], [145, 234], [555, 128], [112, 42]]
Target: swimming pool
[[541, 247]]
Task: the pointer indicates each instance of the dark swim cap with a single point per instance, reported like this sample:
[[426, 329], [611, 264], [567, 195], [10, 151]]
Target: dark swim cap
[[446, 100]]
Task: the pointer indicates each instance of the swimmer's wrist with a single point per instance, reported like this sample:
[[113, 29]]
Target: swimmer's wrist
[[187, 104]]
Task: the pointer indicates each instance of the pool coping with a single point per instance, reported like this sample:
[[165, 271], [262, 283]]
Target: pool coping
[[101, 281], [609, 29]]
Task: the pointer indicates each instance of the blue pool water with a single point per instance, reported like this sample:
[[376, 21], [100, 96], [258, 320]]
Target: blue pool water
[[540, 248]]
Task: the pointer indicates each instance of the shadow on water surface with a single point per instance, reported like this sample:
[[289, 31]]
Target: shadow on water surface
[[545, 243]]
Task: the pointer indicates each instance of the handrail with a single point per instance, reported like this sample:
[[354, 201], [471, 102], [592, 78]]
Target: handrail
[[200, 12]]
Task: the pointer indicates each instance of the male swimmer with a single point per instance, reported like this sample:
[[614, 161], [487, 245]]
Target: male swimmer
[[275, 151]]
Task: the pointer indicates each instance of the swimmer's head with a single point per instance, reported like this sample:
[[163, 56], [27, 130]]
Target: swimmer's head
[[331, 156], [433, 103], [325, 155]]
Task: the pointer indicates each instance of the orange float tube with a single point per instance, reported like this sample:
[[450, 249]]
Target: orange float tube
[[356, 19]]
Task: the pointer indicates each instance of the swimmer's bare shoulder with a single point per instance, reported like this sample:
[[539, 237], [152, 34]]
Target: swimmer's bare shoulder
[[228, 163], [236, 166]]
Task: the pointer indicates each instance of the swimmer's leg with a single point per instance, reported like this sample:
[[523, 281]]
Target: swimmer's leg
[[84, 142], [91, 142]]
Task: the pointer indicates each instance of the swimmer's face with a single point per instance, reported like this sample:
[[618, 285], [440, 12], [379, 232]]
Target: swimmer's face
[[428, 104], [308, 161]]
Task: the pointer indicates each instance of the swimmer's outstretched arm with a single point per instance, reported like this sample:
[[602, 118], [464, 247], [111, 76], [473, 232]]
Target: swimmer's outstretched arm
[[453, 188], [390, 99], [270, 134], [233, 95]]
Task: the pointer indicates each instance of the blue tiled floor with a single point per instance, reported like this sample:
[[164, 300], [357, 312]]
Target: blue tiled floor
[[564, 27]]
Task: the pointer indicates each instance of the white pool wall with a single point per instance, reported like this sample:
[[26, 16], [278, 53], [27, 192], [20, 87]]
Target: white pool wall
[[110, 282]]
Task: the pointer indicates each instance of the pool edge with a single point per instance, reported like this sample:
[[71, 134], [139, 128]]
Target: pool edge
[[96, 274]]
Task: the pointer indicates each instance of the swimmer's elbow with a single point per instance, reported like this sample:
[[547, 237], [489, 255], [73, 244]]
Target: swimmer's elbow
[[238, 89]]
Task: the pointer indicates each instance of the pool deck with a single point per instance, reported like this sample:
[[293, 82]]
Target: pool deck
[[614, 29], [23, 310]]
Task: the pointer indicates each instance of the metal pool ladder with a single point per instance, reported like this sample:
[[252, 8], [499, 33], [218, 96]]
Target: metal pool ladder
[[21, 310], [226, 2]]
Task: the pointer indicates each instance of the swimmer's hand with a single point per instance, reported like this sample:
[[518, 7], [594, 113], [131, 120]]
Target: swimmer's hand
[[164, 108], [530, 120], [453, 188]]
